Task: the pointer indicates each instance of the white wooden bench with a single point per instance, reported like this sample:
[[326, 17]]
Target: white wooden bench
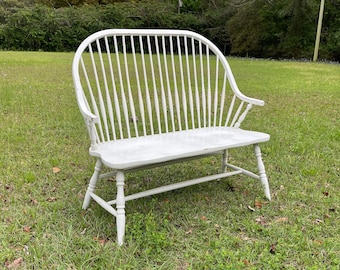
[[154, 97]]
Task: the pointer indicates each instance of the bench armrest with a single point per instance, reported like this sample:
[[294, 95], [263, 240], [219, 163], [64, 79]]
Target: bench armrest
[[89, 117], [250, 100]]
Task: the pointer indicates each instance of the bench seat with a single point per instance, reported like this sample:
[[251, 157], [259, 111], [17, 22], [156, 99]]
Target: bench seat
[[135, 152]]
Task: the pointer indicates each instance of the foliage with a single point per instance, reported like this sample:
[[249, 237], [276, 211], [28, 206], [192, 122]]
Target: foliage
[[257, 28], [268, 33], [246, 34], [331, 33], [8, 7], [300, 34], [283, 29], [42, 28]]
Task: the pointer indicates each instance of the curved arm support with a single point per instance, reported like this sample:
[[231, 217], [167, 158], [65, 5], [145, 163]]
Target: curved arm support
[[243, 116]]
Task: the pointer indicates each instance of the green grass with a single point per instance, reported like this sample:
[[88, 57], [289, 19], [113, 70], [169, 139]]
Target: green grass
[[208, 226]]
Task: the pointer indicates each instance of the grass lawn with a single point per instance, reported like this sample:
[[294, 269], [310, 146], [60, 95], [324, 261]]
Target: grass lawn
[[45, 166]]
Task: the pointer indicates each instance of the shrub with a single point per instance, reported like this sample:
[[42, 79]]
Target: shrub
[[47, 29]]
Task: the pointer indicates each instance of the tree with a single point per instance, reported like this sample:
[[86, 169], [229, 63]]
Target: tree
[[330, 35], [246, 28], [274, 28], [299, 38]]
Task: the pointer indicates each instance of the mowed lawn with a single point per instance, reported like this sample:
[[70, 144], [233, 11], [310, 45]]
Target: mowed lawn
[[228, 224]]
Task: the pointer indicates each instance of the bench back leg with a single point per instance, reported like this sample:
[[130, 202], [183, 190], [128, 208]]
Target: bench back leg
[[224, 161], [120, 206], [92, 184], [262, 171]]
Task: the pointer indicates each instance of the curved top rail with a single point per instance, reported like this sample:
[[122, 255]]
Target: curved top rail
[[172, 32]]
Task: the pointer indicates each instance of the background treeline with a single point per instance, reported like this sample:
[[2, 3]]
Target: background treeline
[[256, 28]]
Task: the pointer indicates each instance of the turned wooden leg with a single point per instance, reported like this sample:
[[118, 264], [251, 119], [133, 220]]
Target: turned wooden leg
[[224, 161], [262, 171], [92, 184], [120, 205]]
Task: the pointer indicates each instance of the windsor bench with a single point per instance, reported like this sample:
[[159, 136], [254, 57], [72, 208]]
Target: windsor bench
[[154, 97]]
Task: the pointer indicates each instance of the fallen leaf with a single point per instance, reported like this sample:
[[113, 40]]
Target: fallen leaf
[[272, 249], [101, 241], [188, 232], [26, 250], [326, 216], [258, 204], [217, 226], [16, 263], [318, 242], [133, 119], [246, 262], [8, 187], [318, 221], [245, 238], [47, 235], [232, 189], [27, 229], [251, 208], [281, 219], [51, 199], [261, 220], [34, 202], [302, 205], [56, 169]]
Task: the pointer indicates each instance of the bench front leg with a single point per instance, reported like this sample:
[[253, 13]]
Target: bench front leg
[[92, 184], [120, 205], [262, 171]]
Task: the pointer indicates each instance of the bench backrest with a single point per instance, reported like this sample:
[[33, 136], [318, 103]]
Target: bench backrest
[[134, 82]]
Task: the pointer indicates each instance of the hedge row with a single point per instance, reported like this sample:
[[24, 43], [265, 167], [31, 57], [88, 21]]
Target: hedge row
[[48, 29], [263, 29]]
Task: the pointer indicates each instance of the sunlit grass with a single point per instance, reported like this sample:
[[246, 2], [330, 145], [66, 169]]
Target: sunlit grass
[[209, 226]]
